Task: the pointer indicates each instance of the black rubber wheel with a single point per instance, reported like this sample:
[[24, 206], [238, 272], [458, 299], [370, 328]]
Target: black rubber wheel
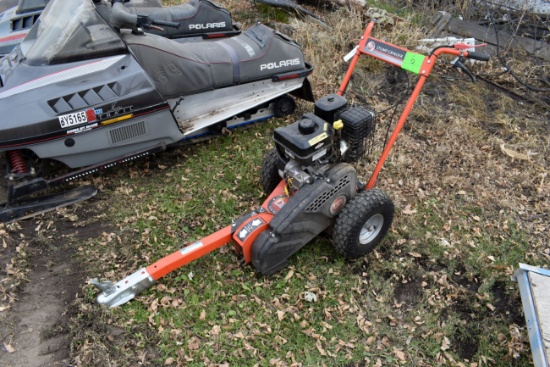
[[269, 174], [363, 223], [284, 106]]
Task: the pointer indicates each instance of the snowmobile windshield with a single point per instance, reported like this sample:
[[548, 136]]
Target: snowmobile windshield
[[70, 31], [25, 6]]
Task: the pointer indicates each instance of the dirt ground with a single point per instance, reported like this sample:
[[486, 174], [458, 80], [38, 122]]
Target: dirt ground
[[34, 328], [41, 280]]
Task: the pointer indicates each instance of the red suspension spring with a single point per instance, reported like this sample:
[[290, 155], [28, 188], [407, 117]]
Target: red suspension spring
[[17, 162]]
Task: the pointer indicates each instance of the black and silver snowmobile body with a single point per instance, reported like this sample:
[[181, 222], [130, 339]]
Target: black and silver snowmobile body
[[197, 18], [16, 21], [78, 92]]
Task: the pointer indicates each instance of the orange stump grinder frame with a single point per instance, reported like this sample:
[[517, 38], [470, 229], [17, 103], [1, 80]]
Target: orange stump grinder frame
[[310, 183]]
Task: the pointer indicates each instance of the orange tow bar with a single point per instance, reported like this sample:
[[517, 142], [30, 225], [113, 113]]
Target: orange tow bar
[[242, 232]]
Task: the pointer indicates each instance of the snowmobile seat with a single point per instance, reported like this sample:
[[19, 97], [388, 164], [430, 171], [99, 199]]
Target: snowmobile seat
[[179, 69], [195, 17]]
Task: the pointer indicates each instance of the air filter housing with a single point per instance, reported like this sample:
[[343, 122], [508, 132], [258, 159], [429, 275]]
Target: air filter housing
[[358, 125]]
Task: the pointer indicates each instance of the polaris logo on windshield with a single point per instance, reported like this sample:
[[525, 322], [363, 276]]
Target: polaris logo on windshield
[[280, 64], [207, 25]]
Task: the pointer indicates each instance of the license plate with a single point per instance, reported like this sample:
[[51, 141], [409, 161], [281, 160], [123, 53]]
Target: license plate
[[73, 119]]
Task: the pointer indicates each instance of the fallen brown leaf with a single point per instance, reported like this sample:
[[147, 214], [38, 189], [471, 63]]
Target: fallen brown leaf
[[513, 153], [399, 354], [9, 348]]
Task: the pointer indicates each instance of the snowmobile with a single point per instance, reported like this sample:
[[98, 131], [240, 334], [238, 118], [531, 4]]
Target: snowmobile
[[16, 18], [79, 92], [197, 18]]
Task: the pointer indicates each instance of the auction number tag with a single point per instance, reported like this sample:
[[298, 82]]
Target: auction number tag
[[76, 118]]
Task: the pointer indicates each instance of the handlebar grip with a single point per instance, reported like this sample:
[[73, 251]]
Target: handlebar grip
[[166, 23], [481, 56]]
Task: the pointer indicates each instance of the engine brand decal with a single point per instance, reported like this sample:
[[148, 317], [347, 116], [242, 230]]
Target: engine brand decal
[[82, 129], [317, 139], [392, 54], [190, 248], [250, 227], [279, 64], [207, 25], [319, 154], [277, 203], [114, 111], [77, 118], [338, 204]]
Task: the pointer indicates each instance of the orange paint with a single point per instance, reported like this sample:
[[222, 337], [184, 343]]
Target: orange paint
[[349, 73], [216, 240], [189, 253]]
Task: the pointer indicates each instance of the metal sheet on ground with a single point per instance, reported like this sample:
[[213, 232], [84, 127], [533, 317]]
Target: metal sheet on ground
[[540, 288]]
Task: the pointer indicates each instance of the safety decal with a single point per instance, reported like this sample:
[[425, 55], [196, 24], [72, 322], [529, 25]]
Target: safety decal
[[190, 248], [317, 139], [250, 227]]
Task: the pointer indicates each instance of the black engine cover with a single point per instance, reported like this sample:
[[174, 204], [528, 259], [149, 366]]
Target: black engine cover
[[309, 212]]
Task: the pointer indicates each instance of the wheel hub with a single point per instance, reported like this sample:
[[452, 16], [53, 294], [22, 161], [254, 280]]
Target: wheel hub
[[371, 228]]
